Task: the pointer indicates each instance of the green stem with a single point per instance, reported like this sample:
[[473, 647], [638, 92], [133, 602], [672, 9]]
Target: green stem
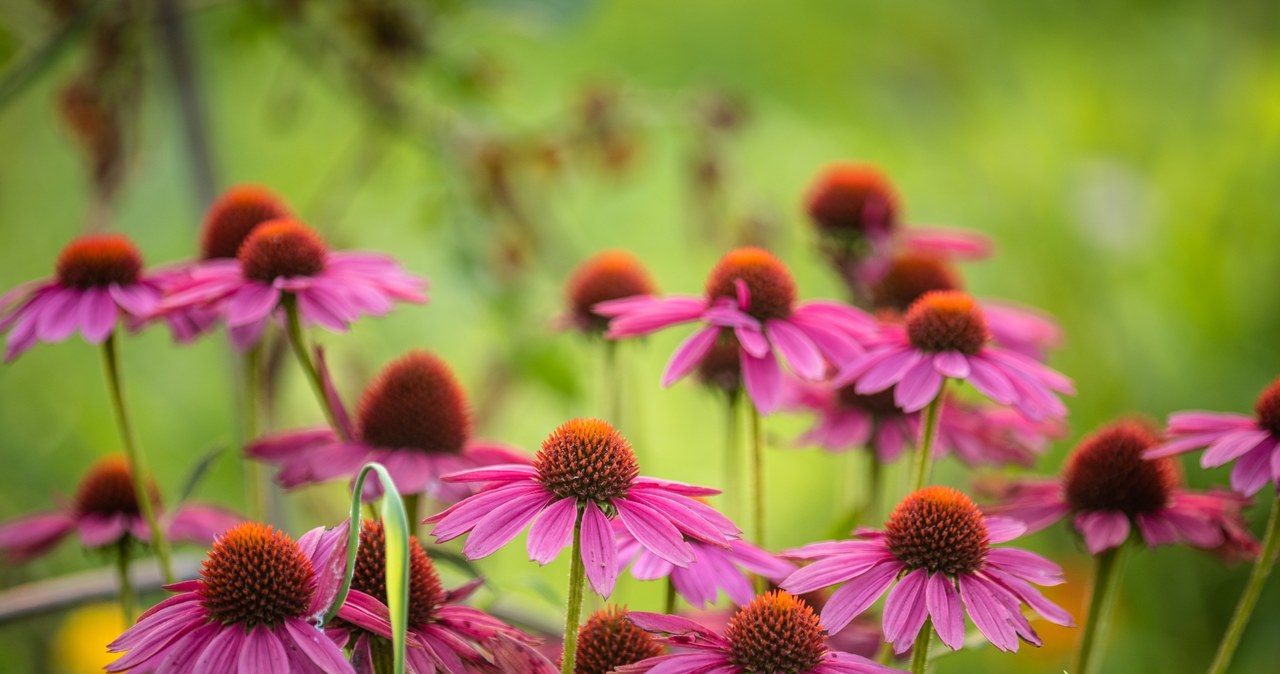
[[612, 383], [300, 351], [1252, 590], [757, 477], [1106, 587], [254, 485], [732, 458], [573, 610], [137, 468], [924, 454], [128, 603], [920, 652], [411, 510]]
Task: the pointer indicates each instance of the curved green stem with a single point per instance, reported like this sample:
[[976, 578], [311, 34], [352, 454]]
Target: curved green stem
[[924, 453], [411, 504], [1252, 590], [255, 486], [300, 351], [920, 652], [573, 609], [1106, 587], [757, 475], [137, 467], [128, 603]]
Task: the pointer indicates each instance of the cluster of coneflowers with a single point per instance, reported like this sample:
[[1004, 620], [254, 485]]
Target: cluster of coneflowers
[[912, 365]]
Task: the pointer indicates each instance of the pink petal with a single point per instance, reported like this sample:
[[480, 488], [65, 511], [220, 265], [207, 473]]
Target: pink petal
[[763, 380], [22, 337], [464, 515], [1232, 446], [944, 606], [97, 315], [905, 610], [988, 379], [689, 354], [1102, 529], [887, 370], [654, 531], [29, 536], [987, 613], [795, 346], [1252, 471], [1003, 529], [201, 524], [951, 364], [262, 652], [552, 531], [833, 570], [57, 315], [502, 524], [136, 299], [251, 304], [99, 530], [599, 551], [752, 340], [318, 650], [1208, 422], [857, 595], [918, 388], [220, 656]]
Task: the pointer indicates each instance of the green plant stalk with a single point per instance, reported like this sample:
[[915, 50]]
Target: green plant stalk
[[573, 609], [303, 355], [411, 504], [254, 485], [1252, 591], [757, 477], [924, 454], [396, 525], [1102, 602], [128, 602], [920, 652], [137, 467], [613, 383], [732, 454]]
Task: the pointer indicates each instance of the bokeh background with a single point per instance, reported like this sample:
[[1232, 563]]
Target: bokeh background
[[1125, 158]]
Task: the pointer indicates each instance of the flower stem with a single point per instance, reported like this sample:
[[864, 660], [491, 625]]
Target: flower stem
[[137, 469], [613, 383], [1252, 590], [255, 487], [299, 344], [411, 510], [732, 457], [1106, 586], [757, 476], [128, 604], [924, 454], [920, 652], [573, 610]]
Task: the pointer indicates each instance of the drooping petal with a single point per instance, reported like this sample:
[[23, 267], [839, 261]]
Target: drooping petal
[[552, 531], [987, 613], [1004, 529], [905, 610], [1102, 529], [321, 653], [887, 369], [97, 315], [599, 551], [833, 570], [763, 380], [919, 386], [689, 354], [503, 524], [251, 303], [1232, 446], [946, 610], [796, 348], [1252, 470], [951, 364], [27, 537], [262, 652], [857, 595]]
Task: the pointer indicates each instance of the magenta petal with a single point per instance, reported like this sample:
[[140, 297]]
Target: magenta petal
[[200, 524], [1102, 529], [763, 380], [1232, 446], [993, 383], [262, 652], [1004, 529], [29, 536], [464, 515], [689, 354], [833, 570], [987, 613], [1208, 422], [918, 388], [552, 531], [654, 531], [951, 364], [502, 524], [22, 337], [677, 626], [751, 340], [889, 368], [797, 349], [222, 653], [599, 550], [857, 595], [97, 315], [251, 303], [99, 530], [944, 607], [905, 610], [137, 299], [318, 650], [1253, 470]]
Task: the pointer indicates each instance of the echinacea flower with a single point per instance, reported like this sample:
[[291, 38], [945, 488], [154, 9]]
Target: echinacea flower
[[413, 418], [256, 608], [945, 335], [284, 261], [1252, 442], [227, 223], [104, 513], [1108, 490], [776, 632], [99, 280], [585, 473], [981, 434], [936, 553], [442, 633], [714, 568], [750, 295], [606, 641], [609, 275]]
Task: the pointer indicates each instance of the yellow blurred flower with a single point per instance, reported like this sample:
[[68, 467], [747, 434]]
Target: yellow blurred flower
[[80, 645]]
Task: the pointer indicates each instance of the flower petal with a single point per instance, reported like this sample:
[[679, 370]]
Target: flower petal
[[857, 595], [599, 551], [946, 610], [763, 380], [689, 354], [795, 346], [552, 531], [905, 610]]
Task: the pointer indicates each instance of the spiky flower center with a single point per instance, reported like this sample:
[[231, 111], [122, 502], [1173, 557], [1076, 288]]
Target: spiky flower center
[[880, 404], [849, 201], [281, 248], [909, 277], [233, 216], [722, 366], [107, 490], [586, 459], [610, 275], [98, 260], [776, 632], [370, 577], [256, 575], [947, 320], [416, 403], [939, 529], [1268, 408], [770, 286], [1107, 472], [608, 641]]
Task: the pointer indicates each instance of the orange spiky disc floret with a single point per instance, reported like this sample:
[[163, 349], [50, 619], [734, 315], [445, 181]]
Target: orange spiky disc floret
[[939, 529], [416, 403], [586, 459], [281, 249], [850, 200], [98, 260], [1107, 471], [909, 277], [772, 290], [947, 320], [610, 275], [608, 641], [256, 575], [234, 215], [370, 577], [1268, 408], [776, 632]]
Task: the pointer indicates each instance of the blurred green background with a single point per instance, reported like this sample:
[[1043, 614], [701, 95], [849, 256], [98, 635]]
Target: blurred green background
[[1125, 157]]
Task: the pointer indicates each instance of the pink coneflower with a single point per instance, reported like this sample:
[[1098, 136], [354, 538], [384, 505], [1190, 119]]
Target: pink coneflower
[[105, 512], [1108, 489], [608, 640], [750, 295], [775, 633], [989, 435], [585, 470], [282, 261], [443, 634], [714, 568], [945, 335], [942, 543], [609, 275], [98, 280], [413, 418], [256, 608], [1254, 441]]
